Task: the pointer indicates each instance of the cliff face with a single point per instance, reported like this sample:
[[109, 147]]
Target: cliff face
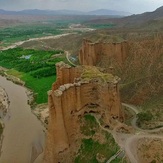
[[65, 74], [92, 53], [78, 90]]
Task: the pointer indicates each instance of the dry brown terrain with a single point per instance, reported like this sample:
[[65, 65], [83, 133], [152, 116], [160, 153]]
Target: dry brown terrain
[[150, 150], [8, 22]]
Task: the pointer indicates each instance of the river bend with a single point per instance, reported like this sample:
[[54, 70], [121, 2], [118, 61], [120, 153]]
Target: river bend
[[23, 131]]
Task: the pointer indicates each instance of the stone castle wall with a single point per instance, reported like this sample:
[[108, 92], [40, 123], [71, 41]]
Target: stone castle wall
[[92, 53]]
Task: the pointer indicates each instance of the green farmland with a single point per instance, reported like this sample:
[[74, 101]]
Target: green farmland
[[35, 67]]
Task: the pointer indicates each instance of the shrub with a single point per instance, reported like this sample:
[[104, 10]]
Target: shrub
[[144, 116]]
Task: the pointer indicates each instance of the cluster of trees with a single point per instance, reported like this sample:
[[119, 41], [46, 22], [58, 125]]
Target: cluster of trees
[[39, 64], [27, 32], [44, 72], [144, 117]]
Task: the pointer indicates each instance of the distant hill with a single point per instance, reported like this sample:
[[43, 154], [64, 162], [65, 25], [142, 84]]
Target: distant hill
[[133, 20], [6, 12], [51, 12], [108, 12], [145, 17], [64, 12]]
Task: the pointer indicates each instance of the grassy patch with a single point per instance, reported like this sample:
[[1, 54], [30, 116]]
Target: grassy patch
[[39, 86], [15, 73], [93, 73], [91, 147], [90, 125], [23, 32], [119, 160]]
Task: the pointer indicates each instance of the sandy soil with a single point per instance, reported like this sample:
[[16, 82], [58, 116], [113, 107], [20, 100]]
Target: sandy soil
[[4, 102], [150, 150], [42, 112]]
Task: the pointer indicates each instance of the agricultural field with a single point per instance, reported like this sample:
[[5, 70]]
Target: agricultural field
[[23, 32], [35, 67]]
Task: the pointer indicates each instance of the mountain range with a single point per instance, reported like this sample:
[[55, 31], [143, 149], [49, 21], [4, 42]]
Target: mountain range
[[133, 20], [145, 17], [65, 12], [103, 16]]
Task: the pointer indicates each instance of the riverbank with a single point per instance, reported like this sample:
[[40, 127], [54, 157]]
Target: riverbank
[[23, 132], [4, 108], [41, 111], [4, 103]]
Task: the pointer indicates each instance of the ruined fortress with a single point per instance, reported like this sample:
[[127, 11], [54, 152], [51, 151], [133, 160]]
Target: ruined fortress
[[80, 90]]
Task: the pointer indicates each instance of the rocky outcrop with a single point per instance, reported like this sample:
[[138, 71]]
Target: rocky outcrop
[[65, 74], [77, 91], [92, 53]]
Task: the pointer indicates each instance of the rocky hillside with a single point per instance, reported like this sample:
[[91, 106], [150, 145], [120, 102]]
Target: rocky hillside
[[111, 13], [142, 72]]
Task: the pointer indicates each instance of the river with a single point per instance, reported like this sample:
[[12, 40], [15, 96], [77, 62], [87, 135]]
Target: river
[[23, 135]]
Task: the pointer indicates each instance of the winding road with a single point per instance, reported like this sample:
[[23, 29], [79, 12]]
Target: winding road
[[127, 142], [14, 45], [68, 58], [132, 139], [136, 110]]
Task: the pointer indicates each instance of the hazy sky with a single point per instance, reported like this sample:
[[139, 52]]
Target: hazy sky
[[133, 6]]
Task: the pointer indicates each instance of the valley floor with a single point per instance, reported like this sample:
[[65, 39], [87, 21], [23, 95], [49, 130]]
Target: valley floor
[[135, 144]]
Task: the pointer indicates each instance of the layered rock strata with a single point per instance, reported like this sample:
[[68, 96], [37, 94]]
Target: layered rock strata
[[93, 53], [78, 90]]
